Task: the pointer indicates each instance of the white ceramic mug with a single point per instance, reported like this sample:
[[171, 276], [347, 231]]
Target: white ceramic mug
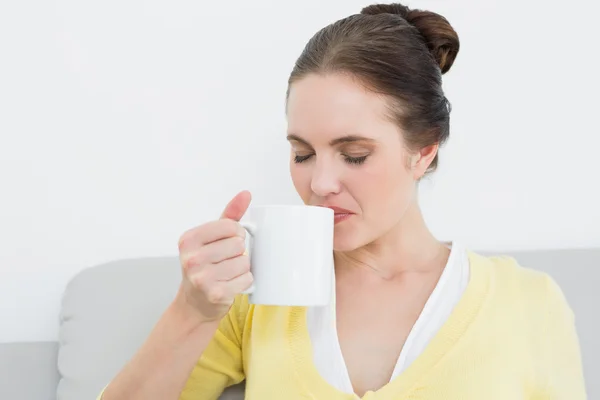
[[291, 254]]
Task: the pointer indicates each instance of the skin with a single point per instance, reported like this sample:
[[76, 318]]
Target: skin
[[387, 262], [346, 153]]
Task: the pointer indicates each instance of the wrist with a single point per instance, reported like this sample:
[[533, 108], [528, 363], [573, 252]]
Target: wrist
[[187, 316]]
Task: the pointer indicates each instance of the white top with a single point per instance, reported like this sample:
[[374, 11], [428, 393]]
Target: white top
[[321, 321]]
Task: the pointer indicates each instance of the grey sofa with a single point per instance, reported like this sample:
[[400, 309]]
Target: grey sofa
[[107, 311]]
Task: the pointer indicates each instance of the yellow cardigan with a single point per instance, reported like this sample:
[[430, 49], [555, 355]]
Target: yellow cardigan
[[511, 336]]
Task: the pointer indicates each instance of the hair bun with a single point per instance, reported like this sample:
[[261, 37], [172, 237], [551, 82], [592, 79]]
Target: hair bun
[[440, 37]]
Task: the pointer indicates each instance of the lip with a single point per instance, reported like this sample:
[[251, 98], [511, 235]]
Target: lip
[[339, 210], [339, 214]]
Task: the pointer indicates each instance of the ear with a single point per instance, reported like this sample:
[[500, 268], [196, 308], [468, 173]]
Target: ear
[[422, 159]]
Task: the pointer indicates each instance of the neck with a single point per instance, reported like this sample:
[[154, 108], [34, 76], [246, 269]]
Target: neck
[[408, 247]]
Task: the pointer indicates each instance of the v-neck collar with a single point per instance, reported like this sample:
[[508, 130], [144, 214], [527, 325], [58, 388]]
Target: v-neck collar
[[450, 332]]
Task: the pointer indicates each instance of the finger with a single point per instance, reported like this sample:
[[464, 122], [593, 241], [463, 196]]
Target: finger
[[230, 269], [225, 227], [241, 283], [224, 249], [210, 232], [236, 208], [206, 277], [222, 292], [213, 253]]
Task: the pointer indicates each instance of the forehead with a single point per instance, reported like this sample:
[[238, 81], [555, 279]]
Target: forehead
[[327, 106]]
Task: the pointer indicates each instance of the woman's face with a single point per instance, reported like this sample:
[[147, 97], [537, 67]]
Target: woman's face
[[346, 154]]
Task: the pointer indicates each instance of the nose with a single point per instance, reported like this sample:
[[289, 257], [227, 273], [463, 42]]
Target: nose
[[325, 178]]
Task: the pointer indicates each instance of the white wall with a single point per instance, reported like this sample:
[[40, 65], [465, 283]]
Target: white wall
[[124, 123]]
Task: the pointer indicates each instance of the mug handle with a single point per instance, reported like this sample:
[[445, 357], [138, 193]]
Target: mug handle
[[251, 229]]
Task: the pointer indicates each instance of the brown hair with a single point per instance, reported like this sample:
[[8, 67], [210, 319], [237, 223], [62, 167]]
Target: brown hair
[[397, 52]]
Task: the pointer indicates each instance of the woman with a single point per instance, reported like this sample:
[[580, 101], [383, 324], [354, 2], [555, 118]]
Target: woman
[[413, 318]]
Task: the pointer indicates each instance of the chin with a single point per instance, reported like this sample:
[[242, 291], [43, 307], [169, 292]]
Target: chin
[[345, 241]]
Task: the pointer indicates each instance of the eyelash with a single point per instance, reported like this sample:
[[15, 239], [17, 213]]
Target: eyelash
[[349, 160]]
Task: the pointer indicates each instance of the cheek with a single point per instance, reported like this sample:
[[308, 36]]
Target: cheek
[[382, 177], [301, 179], [382, 186]]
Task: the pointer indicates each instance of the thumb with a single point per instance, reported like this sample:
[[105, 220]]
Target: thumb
[[237, 207]]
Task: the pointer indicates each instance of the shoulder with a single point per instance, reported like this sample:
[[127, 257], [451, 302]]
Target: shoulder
[[506, 270], [245, 315], [238, 313], [535, 290]]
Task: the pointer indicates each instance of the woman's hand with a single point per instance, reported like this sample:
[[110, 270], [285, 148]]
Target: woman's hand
[[214, 263]]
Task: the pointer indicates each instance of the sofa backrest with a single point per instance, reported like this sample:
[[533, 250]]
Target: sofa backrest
[[109, 309], [107, 312], [28, 370]]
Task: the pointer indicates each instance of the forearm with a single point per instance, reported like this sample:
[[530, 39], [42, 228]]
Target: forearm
[[161, 367]]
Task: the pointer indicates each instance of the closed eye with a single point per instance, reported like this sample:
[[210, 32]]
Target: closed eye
[[300, 159], [350, 160], [355, 160]]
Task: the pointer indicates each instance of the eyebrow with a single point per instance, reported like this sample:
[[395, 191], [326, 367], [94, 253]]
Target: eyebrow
[[340, 140]]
